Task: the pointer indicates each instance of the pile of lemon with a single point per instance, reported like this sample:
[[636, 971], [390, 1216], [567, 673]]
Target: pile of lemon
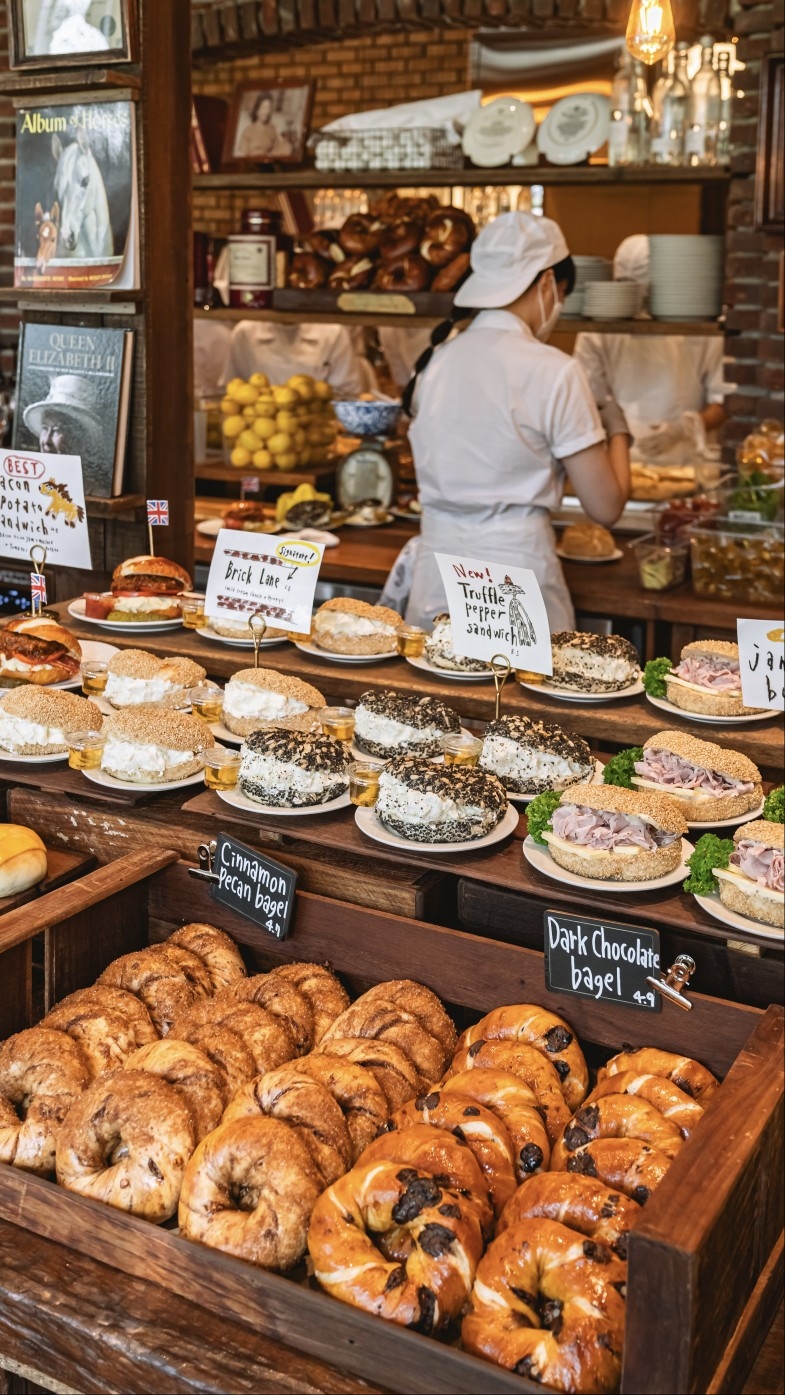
[[278, 426]]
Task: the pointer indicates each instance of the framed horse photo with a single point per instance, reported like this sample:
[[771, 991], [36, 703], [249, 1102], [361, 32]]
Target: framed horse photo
[[72, 33]]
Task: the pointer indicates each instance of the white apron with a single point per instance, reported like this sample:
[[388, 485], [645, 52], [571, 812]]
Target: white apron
[[517, 536]]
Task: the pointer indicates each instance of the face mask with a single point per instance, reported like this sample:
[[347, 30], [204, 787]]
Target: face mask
[[549, 322]]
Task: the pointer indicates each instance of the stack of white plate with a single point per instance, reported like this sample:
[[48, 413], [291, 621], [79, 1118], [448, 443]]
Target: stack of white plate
[[611, 300], [586, 269], [686, 276]]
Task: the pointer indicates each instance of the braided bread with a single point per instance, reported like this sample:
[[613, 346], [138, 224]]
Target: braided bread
[[308, 1108], [623, 1164], [352, 1222], [529, 1065], [478, 1127], [356, 1092], [672, 1103], [249, 1189], [116, 1001], [421, 1003], [215, 948], [385, 1021], [617, 1116], [125, 1142], [391, 1069], [690, 1076], [580, 1203], [511, 1100], [200, 1083], [283, 999], [547, 1033], [42, 1073], [326, 995], [105, 1039], [157, 979], [546, 1304], [444, 1157]]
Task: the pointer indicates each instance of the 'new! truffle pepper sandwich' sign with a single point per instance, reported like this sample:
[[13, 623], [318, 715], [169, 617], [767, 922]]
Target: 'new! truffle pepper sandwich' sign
[[496, 609], [276, 577]]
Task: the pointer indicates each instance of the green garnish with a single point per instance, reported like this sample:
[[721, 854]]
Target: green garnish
[[774, 806], [654, 675], [540, 812], [621, 768], [756, 494], [710, 852]]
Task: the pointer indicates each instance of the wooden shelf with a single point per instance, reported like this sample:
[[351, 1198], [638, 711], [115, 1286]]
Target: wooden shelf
[[26, 82], [460, 178], [120, 503], [568, 325], [105, 302], [206, 470]]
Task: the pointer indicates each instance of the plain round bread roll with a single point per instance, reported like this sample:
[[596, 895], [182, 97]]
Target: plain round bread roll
[[587, 540], [22, 859]]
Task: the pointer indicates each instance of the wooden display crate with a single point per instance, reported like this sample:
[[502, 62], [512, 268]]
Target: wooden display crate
[[705, 1263]]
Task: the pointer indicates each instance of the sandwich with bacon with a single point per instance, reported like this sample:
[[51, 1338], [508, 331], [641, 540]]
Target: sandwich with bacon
[[143, 588], [36, 649]]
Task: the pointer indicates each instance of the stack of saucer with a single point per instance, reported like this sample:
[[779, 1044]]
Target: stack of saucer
[[586, 269], [611, 300], [686, 276]]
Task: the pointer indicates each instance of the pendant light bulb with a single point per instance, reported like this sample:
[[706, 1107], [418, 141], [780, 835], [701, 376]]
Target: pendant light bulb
[[651, 30]]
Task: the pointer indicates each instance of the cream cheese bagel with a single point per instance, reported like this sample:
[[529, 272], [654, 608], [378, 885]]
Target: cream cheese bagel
[[34, 721], [150, 745], [346, 626], [589, 663], [530, 757], [440, 650], [613, 834], [394, 724], [259, 698], [134, 676], [710, 783], [430, 803], [292, 769]]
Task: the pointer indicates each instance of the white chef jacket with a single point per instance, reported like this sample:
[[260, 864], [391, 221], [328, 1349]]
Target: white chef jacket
[[212, 354], [323, 351], [654, 378], [402, 348]]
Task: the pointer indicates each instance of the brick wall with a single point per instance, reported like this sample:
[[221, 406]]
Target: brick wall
[[755, 352], [9, 318]]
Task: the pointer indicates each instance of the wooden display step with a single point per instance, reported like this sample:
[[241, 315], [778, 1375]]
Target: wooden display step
[[322, 477], [512, 175], [62, 867]]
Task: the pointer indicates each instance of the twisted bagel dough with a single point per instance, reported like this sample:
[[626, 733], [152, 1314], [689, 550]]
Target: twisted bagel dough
[[624, 1164], [284, 1000], [478, 1127], [249, 1189], [116, 1001], [546, 1305], [325, 993], [153, 976], [391, 1069], [358, 1095], [516, 1105], [305, 1106], [688, 1075], [193, 969], [227, 1051], [671, 1102], [215, 948], [617, 1116], [189, 1070], [580, 1203], [530, 1066], [267, 1038], [419, 1002], [442, 1236], [547, 1033], [106, 1040], [42, 1073], [385, 1021], [444, 1157], [126, 1142]]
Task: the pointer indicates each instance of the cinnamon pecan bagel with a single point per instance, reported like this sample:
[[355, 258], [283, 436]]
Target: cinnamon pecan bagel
[[106, 1039], [385, 1021], [547, 1033], [117, 1001], [266, 1037], [581, 1203], [475, 1125], [410, 273], [307, 272], [157, 978], [623, 1164], [511, 1100], [42, 1073], [281, 998], [389, 1066], [530, 1065], [325, 993], [443, 1156], [357, 1216], [125, 1142], [359, 1097], [690, 1076], [307, 1106], [546, 1304], [672, 1102], [215, 948], [227, 1051], [617, 1116], [249, 1189], [183, 1066], [421, 1003]]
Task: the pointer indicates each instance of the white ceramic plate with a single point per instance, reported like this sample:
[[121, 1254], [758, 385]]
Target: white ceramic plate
[[238, 800], [209, 633], [570, 695], [33, 760], [317, 653], [497, 131], [540, 858], [91, 649], [372, 523], [125, 627], [666, 706], [574, 128], [405, 513], [592, 561], [211, 527], [727, 823], [100, 777], [222, 733], [370, 824], [462, 677], [525, 799], [717, 909]]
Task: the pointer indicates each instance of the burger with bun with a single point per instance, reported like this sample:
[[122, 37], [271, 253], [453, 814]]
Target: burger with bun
[[143, 588], [608, 833], [250, 518], [34, 722], [36, 649]]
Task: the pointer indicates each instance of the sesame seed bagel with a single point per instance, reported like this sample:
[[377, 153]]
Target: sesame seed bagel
[[257, 699], [134, 663], [657, 809], [429, 803], [704, 701], [292, 769], [752, 904], [346, 626], [141, 741], [34, 721], [771, 835], [390, 724], [708, 755], [233, 629], [530, 757], [718, 648], [640, 865]]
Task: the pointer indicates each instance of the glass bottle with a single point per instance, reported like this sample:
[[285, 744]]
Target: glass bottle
[[726, 106], [669, 123], [628, 135], [703, 120]]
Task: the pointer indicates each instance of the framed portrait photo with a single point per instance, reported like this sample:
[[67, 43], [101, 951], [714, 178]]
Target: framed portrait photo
[[72, 33], [268, 124]]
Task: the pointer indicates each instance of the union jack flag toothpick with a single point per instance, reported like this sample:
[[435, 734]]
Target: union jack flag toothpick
[[37, 591], [157, 517]]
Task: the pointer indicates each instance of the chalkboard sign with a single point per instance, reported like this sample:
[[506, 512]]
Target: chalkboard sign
[[595, 959], [254, 885]]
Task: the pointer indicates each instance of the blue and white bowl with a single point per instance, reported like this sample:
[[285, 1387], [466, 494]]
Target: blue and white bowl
[[367, 418]]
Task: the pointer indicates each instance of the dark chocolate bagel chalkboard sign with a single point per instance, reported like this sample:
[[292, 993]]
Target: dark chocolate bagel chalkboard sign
[[255, 885], [600, 960]]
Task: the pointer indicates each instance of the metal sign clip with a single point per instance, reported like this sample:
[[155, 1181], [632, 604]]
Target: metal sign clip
[[676, 978], [206, 854]]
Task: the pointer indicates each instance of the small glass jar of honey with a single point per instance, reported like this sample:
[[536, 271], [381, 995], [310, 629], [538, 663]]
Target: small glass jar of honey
[[364, 782], [461, 748], [192, 608], [85, 749], [94, 676], [221, 768], [207, 701], [410, 642], [338, 722]]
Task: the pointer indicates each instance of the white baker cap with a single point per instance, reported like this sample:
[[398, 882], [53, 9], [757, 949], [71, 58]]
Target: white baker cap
[[508, 256], [631, 260]]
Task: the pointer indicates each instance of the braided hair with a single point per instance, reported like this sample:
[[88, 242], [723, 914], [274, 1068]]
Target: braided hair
[[440, 333]]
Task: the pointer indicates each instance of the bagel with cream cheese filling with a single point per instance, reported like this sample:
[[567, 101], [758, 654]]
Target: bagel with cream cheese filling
[[589, 663]]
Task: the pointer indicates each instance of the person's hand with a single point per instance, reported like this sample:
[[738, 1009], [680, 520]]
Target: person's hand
[[613, 419], [667, 436]]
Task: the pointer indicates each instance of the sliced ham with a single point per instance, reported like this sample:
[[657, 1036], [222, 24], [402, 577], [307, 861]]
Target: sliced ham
[[763, 865], [666, 768], [720, 675], [601, 828]]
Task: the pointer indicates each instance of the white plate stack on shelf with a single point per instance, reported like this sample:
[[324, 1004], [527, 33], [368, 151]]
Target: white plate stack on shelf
[[611, 300], [586, 269], [686, 272]]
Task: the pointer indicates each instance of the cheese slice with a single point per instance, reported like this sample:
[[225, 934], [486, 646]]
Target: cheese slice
[[591, 853], [701, 688], [675, 793], [746, 884]]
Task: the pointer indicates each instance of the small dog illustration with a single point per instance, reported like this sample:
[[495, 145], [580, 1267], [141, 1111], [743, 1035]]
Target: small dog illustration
[[523, 633], [48, 226], [60, 501]]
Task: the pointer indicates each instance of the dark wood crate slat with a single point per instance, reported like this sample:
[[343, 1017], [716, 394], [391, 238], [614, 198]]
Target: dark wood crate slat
[[751, 1334]]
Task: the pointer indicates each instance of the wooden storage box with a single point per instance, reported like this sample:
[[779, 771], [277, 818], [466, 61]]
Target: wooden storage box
[[705, 1263]]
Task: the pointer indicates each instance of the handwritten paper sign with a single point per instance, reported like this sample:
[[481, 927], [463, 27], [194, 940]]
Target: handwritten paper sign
[[276, 577], [595, 959], [259, 888], [42, 502], [496, 609], [762, 662]]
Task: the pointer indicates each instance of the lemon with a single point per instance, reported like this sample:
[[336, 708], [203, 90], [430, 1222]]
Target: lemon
[[232, 386], [240, 457], [304, 457], [248, 414], [259, 380], [279, 443], [262, 459], [303, 386], [285, 396], [300, 440], [264, 428], [246, 395], [323, 391], [249, 439], [313, 436], [286, 460], [265, 408], [233, 426], [229, 407], [286, 421]]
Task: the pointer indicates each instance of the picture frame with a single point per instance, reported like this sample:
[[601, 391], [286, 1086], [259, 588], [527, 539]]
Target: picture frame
[[72, 33], [268, 124]]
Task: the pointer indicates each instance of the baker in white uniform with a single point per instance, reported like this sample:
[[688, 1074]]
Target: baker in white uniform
[[670, 387], [324, 352], [501, 419]]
